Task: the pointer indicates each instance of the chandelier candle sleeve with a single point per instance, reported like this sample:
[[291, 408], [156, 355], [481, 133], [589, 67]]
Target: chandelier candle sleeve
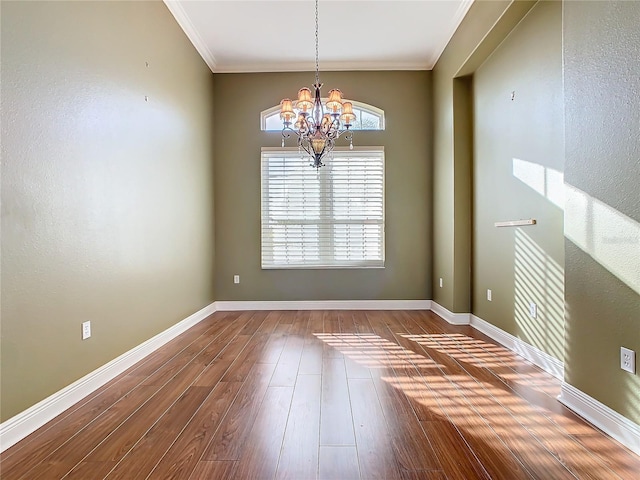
[[317, 129]]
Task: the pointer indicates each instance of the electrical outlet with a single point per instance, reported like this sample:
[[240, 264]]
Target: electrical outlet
[[86, 330], [236, 279], [440, 282], [533, 310], [488, 294], [627, 360]]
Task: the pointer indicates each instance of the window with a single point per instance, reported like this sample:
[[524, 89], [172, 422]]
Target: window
[[327, 218], [368, 117]]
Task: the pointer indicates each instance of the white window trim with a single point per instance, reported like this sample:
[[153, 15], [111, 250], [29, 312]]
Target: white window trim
[[378, 112], [293, 150]]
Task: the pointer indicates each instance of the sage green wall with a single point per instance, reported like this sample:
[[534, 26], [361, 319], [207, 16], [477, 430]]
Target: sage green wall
[[107, 200], [483, 28], [601, 164], [405, 97], [518, 174], [602, 217]]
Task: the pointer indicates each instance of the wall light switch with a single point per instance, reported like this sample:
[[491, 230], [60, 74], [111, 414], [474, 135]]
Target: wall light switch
[[440, 282], [488, 294], [533, 310], [236, 279]]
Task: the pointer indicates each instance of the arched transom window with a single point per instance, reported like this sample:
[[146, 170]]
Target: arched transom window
[[368, 117]]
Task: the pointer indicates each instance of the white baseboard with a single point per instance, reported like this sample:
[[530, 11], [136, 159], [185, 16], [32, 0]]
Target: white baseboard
[[609, 421], [536, 356], [226, 306], [16, 428], [453, 318]]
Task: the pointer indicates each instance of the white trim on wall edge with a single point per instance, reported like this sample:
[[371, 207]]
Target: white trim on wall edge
[[227, 306], [18, 427], [536, 356], [181, 17], [453, 318], [609, 421]]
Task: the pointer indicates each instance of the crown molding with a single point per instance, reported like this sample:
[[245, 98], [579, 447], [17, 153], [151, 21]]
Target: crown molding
[[326, 67], [182, 18], [463, 8]]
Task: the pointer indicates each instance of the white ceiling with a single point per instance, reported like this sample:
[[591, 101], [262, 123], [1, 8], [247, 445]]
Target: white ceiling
[[279, 36]]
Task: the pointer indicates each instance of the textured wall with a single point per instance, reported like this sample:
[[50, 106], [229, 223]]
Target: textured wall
[[518, 174], [483, 28], [602, 219], [404, 96], [107, 199]]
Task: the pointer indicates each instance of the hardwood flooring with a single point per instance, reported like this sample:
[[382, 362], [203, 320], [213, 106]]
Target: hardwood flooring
[[323, 395]]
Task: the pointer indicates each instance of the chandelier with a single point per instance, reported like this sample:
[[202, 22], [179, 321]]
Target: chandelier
[[317, 125]]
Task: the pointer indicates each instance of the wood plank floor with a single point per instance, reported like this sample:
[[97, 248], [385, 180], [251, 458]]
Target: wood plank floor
[[323, 395]]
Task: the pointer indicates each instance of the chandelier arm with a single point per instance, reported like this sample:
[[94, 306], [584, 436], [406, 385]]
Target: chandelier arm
[[304, 126], [286, 132], [300, 136], [310, 122]]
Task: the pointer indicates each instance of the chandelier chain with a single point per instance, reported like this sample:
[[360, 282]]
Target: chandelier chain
[[317, 56]]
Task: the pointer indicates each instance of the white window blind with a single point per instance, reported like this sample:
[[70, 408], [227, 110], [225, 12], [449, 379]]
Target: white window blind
[[329, 218]]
